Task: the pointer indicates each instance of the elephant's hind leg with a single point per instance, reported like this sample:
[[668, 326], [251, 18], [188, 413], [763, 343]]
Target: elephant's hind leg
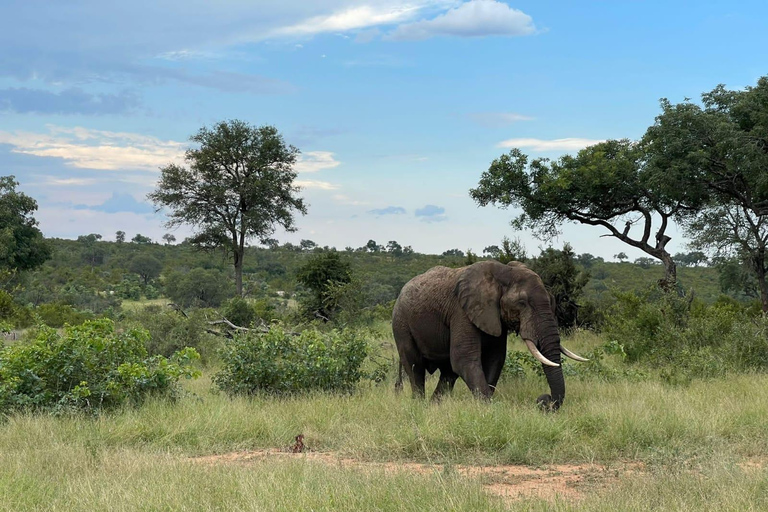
[[445, 384], [410, 359]]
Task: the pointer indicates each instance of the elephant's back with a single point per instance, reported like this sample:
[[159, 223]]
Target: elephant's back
[[432, 288]]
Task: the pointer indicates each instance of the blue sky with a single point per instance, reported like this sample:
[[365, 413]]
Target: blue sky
[[398, 106]]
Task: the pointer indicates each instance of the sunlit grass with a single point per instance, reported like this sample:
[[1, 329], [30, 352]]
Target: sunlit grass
[[691, 442]]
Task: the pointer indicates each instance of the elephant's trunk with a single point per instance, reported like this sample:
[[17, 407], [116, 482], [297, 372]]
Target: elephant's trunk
[[550, 347]]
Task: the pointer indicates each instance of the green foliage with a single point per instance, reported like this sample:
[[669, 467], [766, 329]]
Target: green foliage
[[239, 311], [688, 339], [563, 279], [170, 331], [88, 367], [245, 175], [278, 362], [147, 267], [326, 275], [57, 315], [22, 246], [198, 287], [599, 367]]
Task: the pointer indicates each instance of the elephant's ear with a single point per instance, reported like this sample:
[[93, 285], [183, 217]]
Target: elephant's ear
[[479, 294]]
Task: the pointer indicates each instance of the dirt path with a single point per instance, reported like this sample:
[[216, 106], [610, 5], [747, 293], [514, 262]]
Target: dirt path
[[508, 481]]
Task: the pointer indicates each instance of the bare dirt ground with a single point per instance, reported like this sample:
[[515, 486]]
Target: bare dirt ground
[[507, 481]]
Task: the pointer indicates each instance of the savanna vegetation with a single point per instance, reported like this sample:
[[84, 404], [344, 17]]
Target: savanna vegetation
[[142, 375]]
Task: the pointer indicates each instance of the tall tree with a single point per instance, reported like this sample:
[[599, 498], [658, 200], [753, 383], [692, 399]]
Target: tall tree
[[721, 145], [607, 185], [22, 246], [239, 185]]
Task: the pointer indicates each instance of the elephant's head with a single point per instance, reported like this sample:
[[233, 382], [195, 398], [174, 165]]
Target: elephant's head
[[496, 296]]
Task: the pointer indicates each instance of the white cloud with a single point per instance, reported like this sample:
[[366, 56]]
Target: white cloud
[[64, 182], [96, 149], [349, 19], [498, 119], [476, 18], [313, 161], [322, 185], [344, 199], [570, 144]]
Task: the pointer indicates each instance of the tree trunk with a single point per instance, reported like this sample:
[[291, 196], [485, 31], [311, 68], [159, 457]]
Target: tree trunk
[[760, 273], [669, 283], [238, 256]]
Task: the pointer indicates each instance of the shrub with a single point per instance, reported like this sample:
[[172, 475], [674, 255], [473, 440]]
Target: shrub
[[57, 315], [686, 338], [279, 362], [89, 367], [238, 311], [198, 287], [169, 331]]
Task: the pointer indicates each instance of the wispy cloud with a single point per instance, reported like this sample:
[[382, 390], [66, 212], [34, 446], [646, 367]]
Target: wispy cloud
[[313, 161], [322, 185], [66, 102], [431, 213], [569, 144], [498, 119], [119, 202], [96, 149], [476, 18], [389, 210], [361, 17]]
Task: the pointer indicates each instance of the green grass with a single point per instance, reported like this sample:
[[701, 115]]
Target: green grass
[[134, 305], [690, 441]]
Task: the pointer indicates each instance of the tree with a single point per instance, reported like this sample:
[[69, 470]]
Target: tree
[[621, 256], [510, 250], [120, 237], [454, 252], [325, 274], [141, 239], [722, 146], [239, 185], [372, 246], [644, 262], [608, 185], [22, 246], [92, 253], [558, 271], [307, 245], [168, 238], [147, 267], [394, 248], [198, 287]]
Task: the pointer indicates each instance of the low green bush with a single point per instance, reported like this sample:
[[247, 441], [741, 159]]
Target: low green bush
[[687, 339], [88, 367], [279, 362], [57, 315], [170, 331]]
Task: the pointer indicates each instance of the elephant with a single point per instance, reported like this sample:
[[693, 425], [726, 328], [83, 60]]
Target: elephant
[[456, 320]]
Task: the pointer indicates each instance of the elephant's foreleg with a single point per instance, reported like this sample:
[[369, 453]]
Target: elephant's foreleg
[[466, 344], [493, 357]]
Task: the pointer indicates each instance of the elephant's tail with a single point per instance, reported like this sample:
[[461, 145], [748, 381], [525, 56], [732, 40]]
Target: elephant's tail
[[399, 381]]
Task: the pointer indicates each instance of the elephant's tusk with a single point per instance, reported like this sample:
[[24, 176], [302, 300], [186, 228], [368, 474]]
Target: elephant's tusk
[[538, 355], [570, 354]]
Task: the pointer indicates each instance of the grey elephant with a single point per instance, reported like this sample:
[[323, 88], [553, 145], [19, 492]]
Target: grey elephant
[[456, 320]]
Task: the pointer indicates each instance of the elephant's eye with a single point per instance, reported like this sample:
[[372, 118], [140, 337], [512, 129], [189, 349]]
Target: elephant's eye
[[522, 303]]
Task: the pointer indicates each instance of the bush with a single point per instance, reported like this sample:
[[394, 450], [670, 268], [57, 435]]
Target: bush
[[198, 287], [57, 315], [170, 331], [238, 311], [688, 339], [279, 362], [89, 367]]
